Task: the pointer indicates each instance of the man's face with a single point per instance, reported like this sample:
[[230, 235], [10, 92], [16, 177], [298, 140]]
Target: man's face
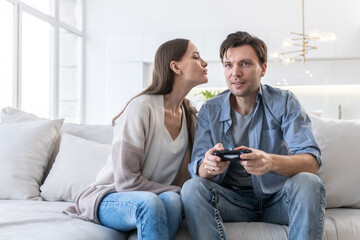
[[243, 71]]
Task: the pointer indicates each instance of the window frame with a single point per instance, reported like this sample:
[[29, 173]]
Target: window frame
[[18, 8]]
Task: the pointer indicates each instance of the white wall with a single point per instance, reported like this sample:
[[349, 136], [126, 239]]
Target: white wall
[[95, 86], [122, 37]]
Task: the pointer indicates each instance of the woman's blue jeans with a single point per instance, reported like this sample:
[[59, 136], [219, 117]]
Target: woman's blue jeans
[[154, 216], [299, 204]]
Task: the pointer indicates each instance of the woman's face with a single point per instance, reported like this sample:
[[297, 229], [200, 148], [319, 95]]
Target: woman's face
[[192, 67]]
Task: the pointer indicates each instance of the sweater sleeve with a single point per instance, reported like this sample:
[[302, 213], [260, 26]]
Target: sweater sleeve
[[132, 132], [127, 161]]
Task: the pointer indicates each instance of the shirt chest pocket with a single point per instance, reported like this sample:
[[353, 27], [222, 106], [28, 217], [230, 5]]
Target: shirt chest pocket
[[271, 141]]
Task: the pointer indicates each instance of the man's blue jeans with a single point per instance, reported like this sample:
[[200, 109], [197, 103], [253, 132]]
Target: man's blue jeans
[[154, 216], [299, 204]]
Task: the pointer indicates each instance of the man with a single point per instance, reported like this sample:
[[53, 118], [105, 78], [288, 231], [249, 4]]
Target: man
[[276, 183]]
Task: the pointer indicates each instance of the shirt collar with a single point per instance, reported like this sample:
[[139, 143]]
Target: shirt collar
[[226, 108], [259, 94]]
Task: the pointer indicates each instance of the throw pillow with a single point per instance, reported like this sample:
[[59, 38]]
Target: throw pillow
[[340, 154], [97, 133], [25, 148], [10, 114], [74, 169]]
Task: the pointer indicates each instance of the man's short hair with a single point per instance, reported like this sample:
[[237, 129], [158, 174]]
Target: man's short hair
[[243, 38]]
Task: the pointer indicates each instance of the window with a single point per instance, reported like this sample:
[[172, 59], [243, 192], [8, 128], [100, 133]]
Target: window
[[6, 56], [35, 73], [70, 12], [69, 75], [44, 6], [41, 57]]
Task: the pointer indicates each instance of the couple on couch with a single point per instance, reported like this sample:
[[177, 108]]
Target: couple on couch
[[139, 187]]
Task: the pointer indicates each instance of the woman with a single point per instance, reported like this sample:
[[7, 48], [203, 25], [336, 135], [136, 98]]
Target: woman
[[135, 189]]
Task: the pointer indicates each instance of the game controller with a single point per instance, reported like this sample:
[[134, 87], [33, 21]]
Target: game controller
[[231, 155]]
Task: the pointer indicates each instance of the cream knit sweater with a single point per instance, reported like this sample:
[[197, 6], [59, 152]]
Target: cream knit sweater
[[133, 159]]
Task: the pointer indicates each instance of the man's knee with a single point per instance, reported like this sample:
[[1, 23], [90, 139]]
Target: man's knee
[[306, 184], [194, 188], [191, 185], [306, 179]]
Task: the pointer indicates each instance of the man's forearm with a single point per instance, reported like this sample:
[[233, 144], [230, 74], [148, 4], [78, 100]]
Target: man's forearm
[[290, 165]]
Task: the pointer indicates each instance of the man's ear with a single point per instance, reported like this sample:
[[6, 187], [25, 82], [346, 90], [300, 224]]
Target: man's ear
[[263, 69], [175, 67]]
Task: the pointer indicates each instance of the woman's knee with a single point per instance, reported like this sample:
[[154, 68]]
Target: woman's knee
[[170, 196], [150, 204], [171, 200]]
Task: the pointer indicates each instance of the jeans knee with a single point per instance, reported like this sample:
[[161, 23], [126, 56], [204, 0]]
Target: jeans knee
[[151, 204], [170, 196], [187, 188], [309, 180], [307, 184], [196, 190], [190, 186], [172, 200]]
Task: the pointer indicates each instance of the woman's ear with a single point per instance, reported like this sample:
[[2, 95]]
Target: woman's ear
[[175, 67]]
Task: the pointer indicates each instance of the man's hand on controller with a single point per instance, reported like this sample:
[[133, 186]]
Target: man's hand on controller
[[212, 165], [258, 162]]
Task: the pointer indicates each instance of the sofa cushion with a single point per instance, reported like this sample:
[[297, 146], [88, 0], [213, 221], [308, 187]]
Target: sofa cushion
[[43, 220], [75, 168], [342, 224], [340, 154], [97, 133], [25, 148]]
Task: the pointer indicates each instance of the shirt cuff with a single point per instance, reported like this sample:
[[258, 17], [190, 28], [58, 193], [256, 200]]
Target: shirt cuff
[[193, 169]]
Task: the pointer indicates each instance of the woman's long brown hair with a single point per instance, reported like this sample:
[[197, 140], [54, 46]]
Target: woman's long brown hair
[[163, 78]]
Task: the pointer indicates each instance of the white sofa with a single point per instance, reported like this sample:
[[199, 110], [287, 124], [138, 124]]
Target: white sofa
[[44, 164]]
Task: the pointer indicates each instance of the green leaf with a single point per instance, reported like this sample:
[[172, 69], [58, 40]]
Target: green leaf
[[207, 94]]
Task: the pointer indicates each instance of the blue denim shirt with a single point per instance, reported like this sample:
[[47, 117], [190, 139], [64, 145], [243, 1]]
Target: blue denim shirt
[[280, 126]]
